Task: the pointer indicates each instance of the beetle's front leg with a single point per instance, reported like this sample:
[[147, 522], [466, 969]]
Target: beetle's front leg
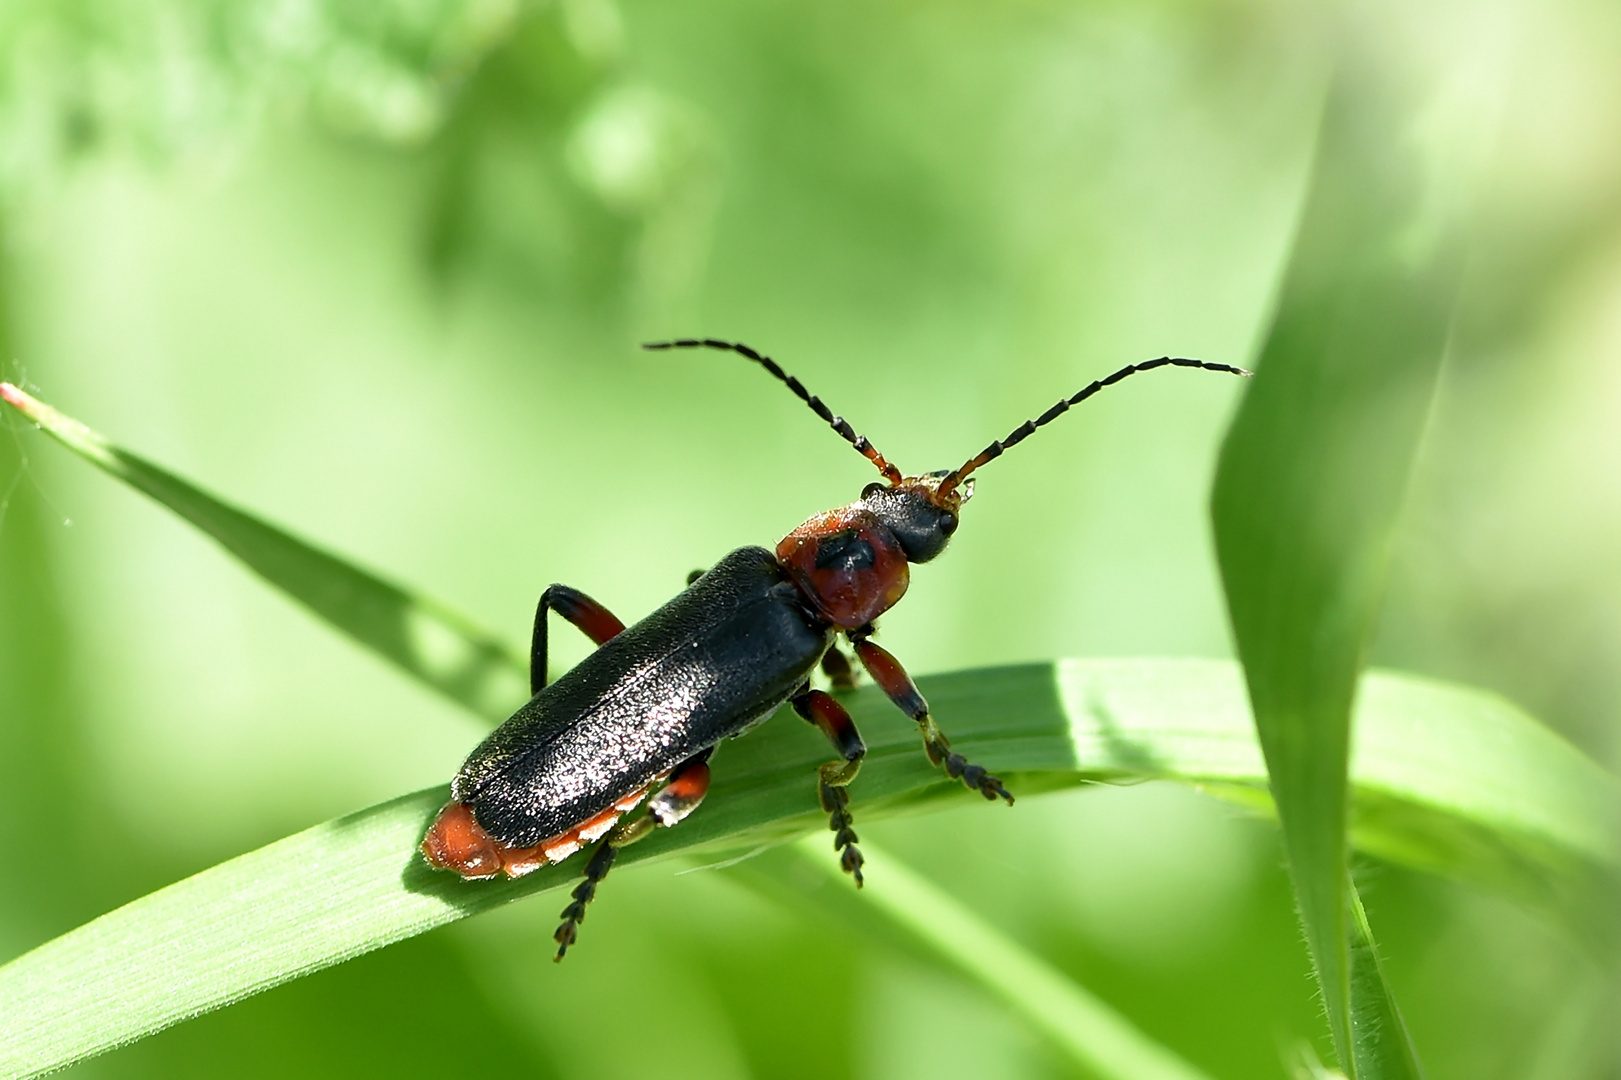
[[887, 672], [688, 785], [593, 620]]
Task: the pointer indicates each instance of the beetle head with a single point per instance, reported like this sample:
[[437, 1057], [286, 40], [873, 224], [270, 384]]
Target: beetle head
[[919, 511]]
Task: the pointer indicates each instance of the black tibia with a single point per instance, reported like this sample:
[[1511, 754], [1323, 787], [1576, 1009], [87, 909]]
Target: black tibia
[[887, 672], [819, 708], [836, 666], [688, 785], [594, 621]]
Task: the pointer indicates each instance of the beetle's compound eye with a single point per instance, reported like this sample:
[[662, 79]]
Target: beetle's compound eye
[[948, 523], [872, 489]]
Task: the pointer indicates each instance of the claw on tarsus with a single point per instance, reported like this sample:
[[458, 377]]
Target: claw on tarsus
[[976, 778], [602, 861], [836, 801]]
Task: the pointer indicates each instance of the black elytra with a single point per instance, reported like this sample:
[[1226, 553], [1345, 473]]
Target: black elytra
[[718, 657], [648, 707]]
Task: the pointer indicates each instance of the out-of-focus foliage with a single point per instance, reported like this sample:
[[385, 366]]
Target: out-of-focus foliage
[[1316, 466], [515, 103], [941, 216], [162, 75]]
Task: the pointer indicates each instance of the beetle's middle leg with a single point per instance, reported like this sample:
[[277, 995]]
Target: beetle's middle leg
[[887, 672], [594, 621], [688, 785], [827, 714], [836, 666]]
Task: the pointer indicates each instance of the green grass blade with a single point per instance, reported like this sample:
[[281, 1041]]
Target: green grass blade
[[901, 906], [1380, 1039], [1415, 735], [1445, 778], [421, 636], [1521, 803], [1314, 469]]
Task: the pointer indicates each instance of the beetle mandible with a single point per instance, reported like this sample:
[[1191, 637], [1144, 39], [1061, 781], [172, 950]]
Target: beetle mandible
[[651, 703]]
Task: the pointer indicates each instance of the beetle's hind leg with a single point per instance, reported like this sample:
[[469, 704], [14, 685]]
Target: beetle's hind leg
[[887, 672], [593, 620], [687, 787], [820, 708]]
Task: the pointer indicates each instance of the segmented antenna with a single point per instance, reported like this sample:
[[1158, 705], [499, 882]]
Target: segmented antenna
[[837, 423], [1026, 429]]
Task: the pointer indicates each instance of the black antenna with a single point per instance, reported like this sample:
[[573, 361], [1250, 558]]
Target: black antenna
[[837, 423], [1026, 429]]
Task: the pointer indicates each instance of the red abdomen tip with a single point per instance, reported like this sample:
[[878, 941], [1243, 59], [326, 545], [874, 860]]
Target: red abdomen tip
[[457, 842]]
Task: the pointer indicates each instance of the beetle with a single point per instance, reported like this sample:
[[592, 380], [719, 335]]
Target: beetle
[[649, 706]]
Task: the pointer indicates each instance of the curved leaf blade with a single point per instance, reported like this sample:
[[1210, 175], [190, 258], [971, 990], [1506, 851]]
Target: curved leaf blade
[[355, 884], [416, 633], [1315, 467]]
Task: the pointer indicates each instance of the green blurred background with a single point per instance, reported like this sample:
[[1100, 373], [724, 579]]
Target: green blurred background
[[378, 270]]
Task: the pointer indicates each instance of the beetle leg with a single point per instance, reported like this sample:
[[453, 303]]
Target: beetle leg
[[595, 622], [821, 709], [887, 672], [836, 666], [688, 785]]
